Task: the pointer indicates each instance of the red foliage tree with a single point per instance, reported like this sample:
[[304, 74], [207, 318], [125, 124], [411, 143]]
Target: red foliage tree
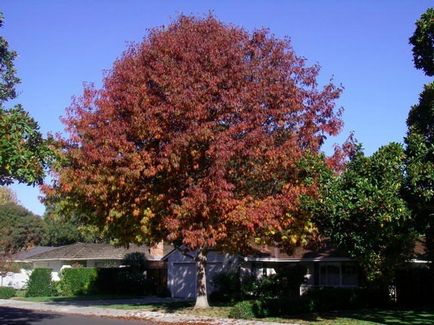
[[196, 137]]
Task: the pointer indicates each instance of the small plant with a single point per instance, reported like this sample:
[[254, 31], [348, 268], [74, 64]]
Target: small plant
[[7, 292], [40, 283], [243, 310]]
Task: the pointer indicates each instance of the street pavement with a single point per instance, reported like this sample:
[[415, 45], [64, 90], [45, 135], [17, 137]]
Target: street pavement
[[16, 316]]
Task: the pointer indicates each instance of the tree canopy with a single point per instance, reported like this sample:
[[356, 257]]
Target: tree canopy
[[19, 228], [24, 153], [420, 136], [197, 137], [364, 213], [61, 230], [423, 43]]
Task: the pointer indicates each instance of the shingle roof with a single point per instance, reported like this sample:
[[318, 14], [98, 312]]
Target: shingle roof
[[26, 254], [298, 253], [89, 251]]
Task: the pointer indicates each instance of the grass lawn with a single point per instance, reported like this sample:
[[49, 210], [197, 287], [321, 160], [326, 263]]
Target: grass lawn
[[367, 316]]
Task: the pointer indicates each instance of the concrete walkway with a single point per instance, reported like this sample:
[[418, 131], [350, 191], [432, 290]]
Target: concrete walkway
[[89, 308]]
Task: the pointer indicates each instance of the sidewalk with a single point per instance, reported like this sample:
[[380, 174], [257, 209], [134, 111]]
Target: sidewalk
[[85, 308]]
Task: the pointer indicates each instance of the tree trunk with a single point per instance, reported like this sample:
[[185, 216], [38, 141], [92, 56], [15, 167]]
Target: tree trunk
[[201, 291]]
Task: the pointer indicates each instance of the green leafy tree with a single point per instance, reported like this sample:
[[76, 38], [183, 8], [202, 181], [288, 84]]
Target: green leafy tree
[[8, 78], [420, 136], [19, 228], [61, 230], [363, 212], [24, 153], [423, 43], [420, 165]]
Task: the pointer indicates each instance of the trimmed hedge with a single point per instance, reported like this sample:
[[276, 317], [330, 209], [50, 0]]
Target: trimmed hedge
[[122, 281], [315, 300], [109, 281], [77, 281], [40, 283], [7, 292]]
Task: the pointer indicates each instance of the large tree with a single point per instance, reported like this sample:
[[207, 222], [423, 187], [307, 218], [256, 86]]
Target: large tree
[[24, 154], [420, 165], [420, 136], [364, 213], [197, 138], [64, 230], [423, 42]]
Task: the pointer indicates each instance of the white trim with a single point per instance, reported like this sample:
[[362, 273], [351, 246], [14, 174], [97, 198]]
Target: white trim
[[296, 260], [419, 261], [81, 259]]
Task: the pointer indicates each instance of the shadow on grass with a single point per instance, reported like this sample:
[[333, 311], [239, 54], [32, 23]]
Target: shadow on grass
[[379, 316]]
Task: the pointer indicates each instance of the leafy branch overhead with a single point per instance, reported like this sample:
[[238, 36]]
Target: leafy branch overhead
[[24, 154]]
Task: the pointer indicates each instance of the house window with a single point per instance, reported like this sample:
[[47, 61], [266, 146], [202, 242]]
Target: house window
[[338, 275]]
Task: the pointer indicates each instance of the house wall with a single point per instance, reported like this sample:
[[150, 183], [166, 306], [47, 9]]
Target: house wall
[[181, 272]]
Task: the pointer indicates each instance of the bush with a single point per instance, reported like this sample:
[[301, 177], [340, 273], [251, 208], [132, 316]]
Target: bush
[[136, 261], [7, 292], [40, 283], [122, 281], [286, 282], [227, 287], [77, 281], [243, 310], [327, 299]]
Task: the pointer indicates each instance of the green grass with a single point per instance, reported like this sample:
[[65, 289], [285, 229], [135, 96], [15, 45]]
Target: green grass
[[360, 317]]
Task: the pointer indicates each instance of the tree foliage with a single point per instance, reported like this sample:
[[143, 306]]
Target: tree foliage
[[364, 213], [7, 195], [19, 228], [24, 154], [197, 138], [8, 78], [61, 230], [420, 164], [420, 136], [423, 43]]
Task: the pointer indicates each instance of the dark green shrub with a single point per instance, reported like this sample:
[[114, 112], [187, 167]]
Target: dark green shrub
[[327, 299], [285, 283], [40, 283], [135, 261], [7, 292], [77, 281], [243, 310], [122, 281], [227, 287]]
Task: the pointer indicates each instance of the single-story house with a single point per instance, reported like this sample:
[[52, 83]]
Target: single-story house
[[325, 267], [89, 255]]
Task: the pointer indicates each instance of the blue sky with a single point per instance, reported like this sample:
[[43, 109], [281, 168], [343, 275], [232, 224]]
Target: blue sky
[[363, 45]]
